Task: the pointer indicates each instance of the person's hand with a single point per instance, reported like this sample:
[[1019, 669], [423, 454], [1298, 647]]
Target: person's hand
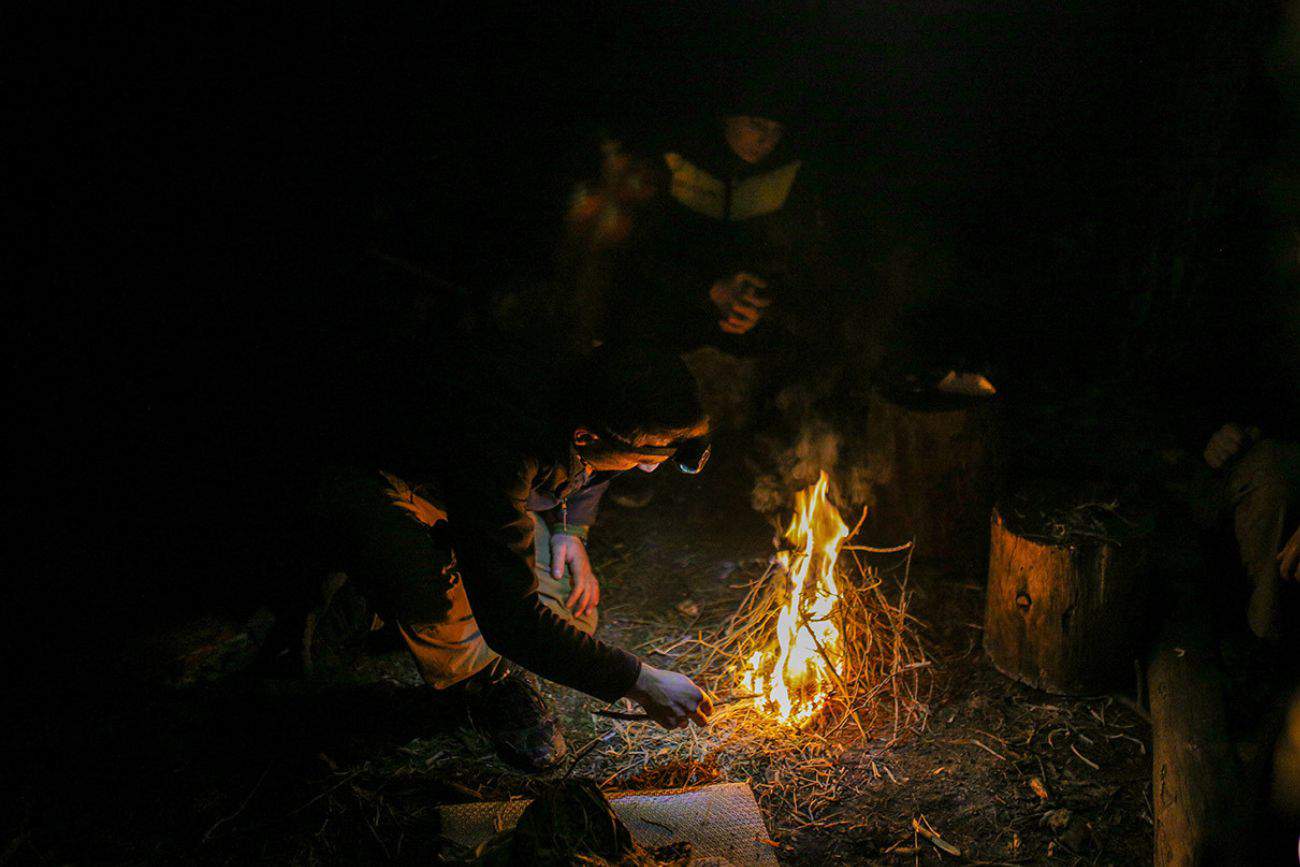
[[1288, 559], [569, 551], [671, 699], [1227, 442], [739, 302]]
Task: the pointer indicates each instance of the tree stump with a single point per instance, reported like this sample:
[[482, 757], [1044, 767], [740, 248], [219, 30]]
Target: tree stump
[[1062, 617], [1202, 803], [933, 462]]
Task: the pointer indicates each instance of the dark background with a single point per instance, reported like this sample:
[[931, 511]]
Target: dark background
[[1086, 186]]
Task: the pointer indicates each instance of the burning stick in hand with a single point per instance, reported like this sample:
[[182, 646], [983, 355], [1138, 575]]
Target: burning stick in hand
[[633, 716]]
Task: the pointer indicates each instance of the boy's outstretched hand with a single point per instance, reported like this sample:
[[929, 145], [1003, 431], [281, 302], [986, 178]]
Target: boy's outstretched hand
[[671, 699]]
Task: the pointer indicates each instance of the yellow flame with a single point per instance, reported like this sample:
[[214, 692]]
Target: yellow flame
[[793, 679]]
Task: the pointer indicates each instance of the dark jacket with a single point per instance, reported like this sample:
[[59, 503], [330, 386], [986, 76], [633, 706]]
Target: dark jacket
[[706, 216], [494, 449]]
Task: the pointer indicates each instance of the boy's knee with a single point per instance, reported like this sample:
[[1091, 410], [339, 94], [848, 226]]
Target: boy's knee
[[1266, 471]]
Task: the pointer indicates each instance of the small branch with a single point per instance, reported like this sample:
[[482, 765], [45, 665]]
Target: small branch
[[939, 843], [858, 526], [243, 806], [897, 549], [1087, 761], [582, 753], [987, 748]]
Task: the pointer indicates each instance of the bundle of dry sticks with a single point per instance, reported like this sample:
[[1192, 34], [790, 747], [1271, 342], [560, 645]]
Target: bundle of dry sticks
[[881, 692]]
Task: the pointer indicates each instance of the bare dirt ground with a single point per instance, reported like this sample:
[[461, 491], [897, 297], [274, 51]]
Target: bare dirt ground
[[251, 768]]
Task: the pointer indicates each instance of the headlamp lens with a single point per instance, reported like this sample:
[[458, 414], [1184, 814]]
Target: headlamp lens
[[692, 455]]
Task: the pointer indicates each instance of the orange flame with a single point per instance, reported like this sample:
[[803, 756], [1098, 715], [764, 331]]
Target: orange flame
[[792, 680]]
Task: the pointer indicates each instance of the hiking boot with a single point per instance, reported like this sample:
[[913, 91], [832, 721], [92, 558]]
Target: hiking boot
[[505, 706]]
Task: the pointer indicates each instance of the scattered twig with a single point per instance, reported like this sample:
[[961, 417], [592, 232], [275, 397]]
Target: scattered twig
[[939, 843], [1087, 761], [243, 806], [582, 753], [977, 742]]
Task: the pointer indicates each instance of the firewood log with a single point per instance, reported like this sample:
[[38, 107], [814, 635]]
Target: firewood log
[[1202, 805]]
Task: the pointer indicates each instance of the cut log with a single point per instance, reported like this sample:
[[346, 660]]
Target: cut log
[[1064, 618], [1202, 805], [934, 461]]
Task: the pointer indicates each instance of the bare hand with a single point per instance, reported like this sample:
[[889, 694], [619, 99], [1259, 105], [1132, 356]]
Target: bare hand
[[738, 300], [1288, 559], [671, 699], [569, 551], [1227, 442]]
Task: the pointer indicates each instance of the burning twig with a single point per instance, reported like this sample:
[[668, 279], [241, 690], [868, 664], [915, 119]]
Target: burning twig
[[634, 716]]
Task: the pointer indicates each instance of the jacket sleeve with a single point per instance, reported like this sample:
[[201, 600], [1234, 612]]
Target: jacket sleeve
[[493, 537]]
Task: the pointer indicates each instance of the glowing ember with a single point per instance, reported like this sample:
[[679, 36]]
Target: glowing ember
[[793, 679]]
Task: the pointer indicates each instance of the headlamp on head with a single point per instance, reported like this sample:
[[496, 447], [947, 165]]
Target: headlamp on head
[[693, 454], [689, 455]]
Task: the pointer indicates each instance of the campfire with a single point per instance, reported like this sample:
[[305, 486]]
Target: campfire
[[792, 680], [818, 656]]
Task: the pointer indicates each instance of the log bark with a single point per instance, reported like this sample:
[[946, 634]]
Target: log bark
[[1063, 618], [934, 462], [1202, 803]]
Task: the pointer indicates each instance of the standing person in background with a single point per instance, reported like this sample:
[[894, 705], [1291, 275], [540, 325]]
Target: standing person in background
[[714, 236], [712, 239]]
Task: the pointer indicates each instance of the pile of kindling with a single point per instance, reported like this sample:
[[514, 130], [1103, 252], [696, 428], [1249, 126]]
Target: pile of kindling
[[881, 692]]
